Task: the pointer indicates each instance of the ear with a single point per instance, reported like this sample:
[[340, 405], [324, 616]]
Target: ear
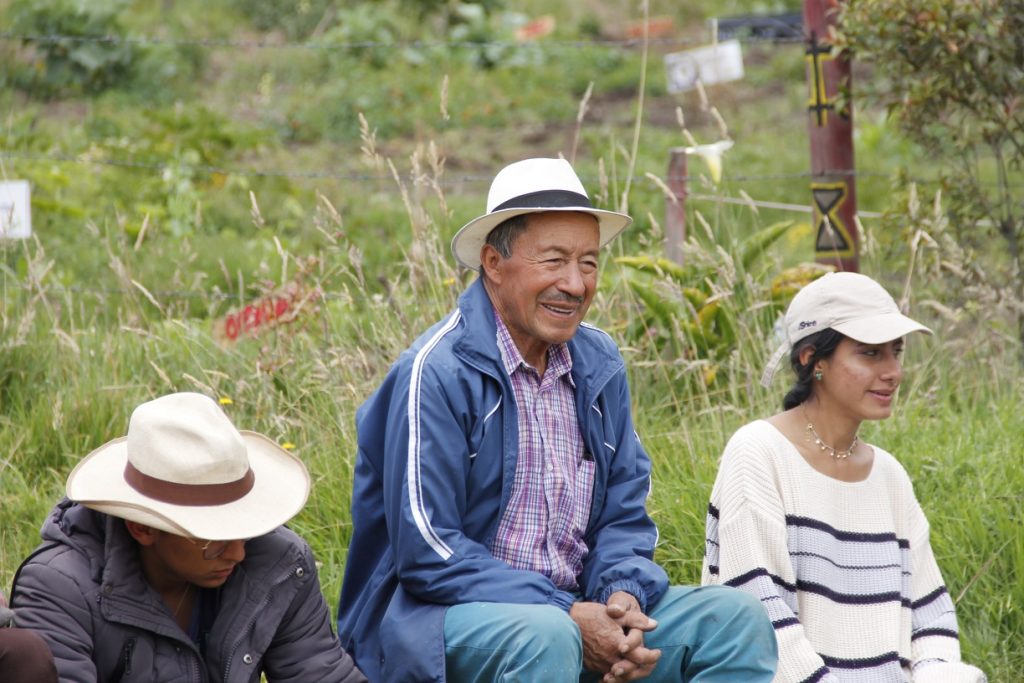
[[144, 535], [491, 260], [806, 353]]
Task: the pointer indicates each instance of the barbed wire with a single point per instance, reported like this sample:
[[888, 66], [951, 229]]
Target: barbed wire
[[448, 181], [243, 297], [544, 44]]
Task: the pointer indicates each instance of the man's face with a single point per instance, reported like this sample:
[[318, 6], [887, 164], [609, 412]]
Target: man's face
[[544, 288], [176, 558]]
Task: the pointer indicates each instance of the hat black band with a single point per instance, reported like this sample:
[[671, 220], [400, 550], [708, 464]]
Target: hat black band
[[188, 494], [546, 199]]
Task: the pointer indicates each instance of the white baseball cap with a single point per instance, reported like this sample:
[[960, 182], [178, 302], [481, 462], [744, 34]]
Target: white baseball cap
[[849, 303], [532, 186]]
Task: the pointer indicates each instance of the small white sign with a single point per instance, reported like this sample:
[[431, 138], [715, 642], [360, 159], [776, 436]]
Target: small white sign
[[15, 209], [713, 64]]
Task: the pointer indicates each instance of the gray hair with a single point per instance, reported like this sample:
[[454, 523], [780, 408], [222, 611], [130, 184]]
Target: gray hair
[[504, 235]]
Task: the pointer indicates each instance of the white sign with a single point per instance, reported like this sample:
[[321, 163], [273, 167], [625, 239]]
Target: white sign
[[15, 209], [713, 64]]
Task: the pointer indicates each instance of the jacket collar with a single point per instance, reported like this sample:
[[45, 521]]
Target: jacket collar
[[594, 358]]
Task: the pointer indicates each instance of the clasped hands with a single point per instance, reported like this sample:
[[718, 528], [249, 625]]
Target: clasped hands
[[613, 638]]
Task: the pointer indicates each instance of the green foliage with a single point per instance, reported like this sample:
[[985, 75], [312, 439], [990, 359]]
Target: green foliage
[[951, 74], [295, 19], [693, 311], [142, 251], [64, 55]]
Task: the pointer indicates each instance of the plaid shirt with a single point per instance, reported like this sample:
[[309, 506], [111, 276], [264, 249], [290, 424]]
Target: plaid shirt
[[542, 527]]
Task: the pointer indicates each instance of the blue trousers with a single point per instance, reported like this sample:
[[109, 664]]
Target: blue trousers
[[707, 634]]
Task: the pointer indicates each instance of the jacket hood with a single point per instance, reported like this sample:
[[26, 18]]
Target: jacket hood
[[87, 532]]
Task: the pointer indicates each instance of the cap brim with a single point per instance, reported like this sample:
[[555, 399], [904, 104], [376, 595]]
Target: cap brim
[[879, 329], [279, 492], [470, 238]]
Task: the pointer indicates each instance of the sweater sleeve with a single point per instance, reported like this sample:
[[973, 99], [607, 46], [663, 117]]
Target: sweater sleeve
[[746, 548], [935, 644]]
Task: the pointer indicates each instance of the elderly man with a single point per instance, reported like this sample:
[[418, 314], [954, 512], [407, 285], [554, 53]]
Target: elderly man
[[499, 522], [168, 561]]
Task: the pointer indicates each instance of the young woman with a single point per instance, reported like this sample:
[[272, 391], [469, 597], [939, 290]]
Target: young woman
[[823, 527]]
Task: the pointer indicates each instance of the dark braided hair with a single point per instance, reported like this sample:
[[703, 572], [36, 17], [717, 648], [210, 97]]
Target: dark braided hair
[[824, 343]]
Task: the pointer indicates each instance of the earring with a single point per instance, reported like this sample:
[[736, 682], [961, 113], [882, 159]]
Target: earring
[[818, 375]]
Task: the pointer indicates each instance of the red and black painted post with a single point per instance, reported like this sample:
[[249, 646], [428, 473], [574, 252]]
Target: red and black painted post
[[833, 183]]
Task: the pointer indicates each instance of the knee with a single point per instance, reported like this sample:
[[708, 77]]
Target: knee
[[737, 606], [552, 632], [25, 656]]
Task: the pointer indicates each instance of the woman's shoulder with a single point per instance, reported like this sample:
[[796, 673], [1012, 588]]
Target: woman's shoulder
[[758, 436], [754, 450]]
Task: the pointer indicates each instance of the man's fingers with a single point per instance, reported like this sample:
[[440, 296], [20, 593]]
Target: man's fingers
[[629, 669], [636, 619], [634, 639], [643, 657]]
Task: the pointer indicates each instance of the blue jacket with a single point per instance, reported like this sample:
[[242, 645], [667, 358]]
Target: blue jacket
[[433, 475]]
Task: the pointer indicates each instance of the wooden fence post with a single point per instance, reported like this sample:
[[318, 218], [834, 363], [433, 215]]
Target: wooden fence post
[[833, 181], [675, 206]]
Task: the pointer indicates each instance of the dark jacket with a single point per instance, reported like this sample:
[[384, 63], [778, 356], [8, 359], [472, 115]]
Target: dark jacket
[[438, 443], [84, 591]]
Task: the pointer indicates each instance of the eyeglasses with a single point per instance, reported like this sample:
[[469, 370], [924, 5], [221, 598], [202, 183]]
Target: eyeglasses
[[212, 549]]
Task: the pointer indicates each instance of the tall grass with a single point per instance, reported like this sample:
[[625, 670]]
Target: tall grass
[[74, 364]]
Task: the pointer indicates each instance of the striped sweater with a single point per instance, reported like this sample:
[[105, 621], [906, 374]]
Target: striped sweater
[[844, 569]]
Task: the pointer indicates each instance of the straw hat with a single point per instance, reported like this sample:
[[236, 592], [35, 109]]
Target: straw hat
[[531, 186], [849, 303], [185, 469]]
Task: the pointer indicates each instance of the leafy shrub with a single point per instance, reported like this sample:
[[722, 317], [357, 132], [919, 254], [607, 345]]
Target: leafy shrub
[[64, 48], [694, 311], [295, 19]]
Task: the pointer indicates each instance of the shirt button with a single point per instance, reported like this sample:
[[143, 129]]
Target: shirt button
[[550, 467]]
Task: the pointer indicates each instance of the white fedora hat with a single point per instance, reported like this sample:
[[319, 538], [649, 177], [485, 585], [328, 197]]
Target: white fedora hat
[[185, 469], [531, 186]]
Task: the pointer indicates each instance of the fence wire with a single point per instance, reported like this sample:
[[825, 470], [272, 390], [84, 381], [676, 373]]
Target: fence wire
[[543, 44], [448, 181]]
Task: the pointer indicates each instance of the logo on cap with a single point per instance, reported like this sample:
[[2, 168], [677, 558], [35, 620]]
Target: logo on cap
[[804, 324]]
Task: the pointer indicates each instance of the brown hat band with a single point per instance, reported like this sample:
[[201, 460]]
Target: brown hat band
[[188, 494]]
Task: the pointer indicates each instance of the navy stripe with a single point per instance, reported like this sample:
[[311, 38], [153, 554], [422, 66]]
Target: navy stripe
[[713, 511], [852, 599], [947, 632], [816, 676], [863, 662], [818, 589], [755, 573], [545, 199], [931, 597], [847, 566], [796, 520], [783, 623]]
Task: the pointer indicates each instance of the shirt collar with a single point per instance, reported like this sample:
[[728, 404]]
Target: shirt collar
[[559, 358]]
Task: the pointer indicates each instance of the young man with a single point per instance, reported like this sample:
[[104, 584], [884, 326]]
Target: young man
[[499, 522], [168, 560]]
